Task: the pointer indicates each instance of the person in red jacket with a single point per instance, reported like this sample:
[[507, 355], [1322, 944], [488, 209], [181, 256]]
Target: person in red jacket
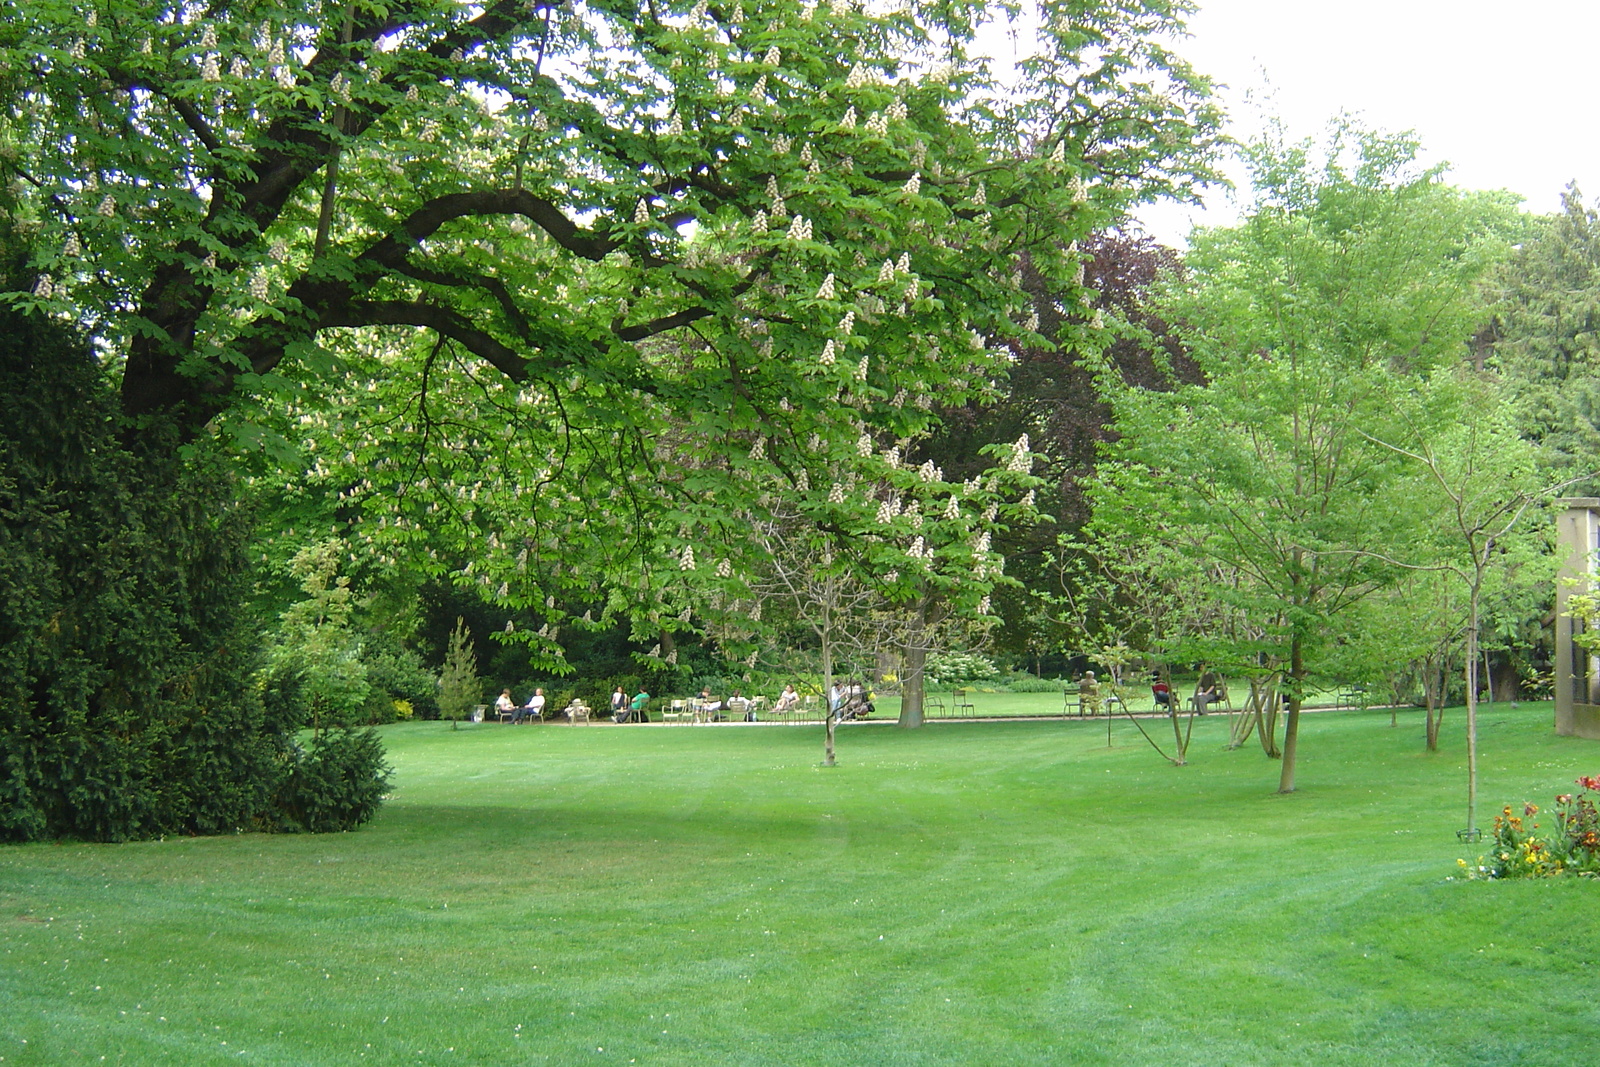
[[1161, 691]]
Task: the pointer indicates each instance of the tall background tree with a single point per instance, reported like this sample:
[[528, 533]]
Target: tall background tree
[[1544, 337], [1351, 282], [1051, 394]]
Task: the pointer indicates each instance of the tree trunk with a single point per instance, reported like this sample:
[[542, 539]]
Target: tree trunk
[[912, 685], [1432, 697], [1291, 724], [1433, 724], [827, 700], [1488, 676], [1267, 722], [1182, 743], [1472, 712], [1240, 729]]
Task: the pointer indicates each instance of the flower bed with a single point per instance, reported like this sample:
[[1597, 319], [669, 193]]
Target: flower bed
[[1572, 846]]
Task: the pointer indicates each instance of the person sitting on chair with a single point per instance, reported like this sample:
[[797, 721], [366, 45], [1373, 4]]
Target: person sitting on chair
[[788, 701], [711, 707], [1209, 691], [504, 704], [1161, 691], [637, 705], [1089, 694], [619, 705], [533, 709]]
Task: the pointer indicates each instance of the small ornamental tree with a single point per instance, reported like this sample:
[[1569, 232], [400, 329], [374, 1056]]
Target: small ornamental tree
[[906, 543], [1485, 479], [804, 581], [459, 687]]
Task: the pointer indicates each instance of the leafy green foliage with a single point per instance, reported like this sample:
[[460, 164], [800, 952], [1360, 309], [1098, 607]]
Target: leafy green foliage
[[1349, 287], [560, 292], [1027, 683], [396, 675], [316, 659], [126, 703], [336, 784], [960, 667], [124, 708], [459, 686]]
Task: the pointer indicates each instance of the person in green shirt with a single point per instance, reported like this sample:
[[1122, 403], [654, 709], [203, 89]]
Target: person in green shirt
[[636, 706]]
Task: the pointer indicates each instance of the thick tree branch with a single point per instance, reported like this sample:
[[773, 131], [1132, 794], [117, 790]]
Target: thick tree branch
[[442, 320], [391, 251], [661, 325], [487, 282]]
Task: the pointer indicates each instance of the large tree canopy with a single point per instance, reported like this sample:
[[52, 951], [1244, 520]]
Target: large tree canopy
[[614, 273], [219, 186]]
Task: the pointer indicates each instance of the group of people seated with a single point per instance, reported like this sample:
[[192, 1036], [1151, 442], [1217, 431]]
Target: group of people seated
[[533, 709], [850, 700], [625, 710], [1207, 691], [846, 700]]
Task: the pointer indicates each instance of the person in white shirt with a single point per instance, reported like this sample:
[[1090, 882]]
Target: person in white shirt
[[534, 708]]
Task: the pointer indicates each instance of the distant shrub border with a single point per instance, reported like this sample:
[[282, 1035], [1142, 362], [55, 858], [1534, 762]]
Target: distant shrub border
[[1520, 851]]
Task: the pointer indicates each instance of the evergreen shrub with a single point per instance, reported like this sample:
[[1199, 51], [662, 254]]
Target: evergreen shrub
[[126, 703], [335, 784]]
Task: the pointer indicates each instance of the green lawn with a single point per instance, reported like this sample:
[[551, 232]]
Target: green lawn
[[972, 893]]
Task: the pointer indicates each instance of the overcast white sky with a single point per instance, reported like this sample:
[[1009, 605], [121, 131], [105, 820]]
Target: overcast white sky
[[1506, 92]]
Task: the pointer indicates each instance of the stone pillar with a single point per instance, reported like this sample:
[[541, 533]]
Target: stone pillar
[[1577, 681]]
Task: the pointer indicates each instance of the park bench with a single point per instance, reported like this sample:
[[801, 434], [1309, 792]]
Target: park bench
[[1351, 695]]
